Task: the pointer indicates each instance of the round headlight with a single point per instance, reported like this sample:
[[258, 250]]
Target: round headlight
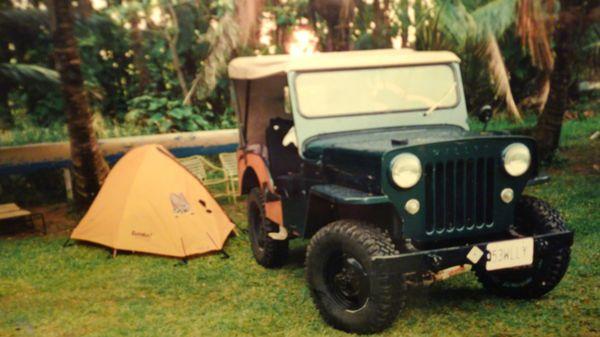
[[406, 170], [516, 158]]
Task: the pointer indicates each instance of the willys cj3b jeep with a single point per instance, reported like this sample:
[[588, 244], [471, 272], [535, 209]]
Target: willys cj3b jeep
[[369, 154]]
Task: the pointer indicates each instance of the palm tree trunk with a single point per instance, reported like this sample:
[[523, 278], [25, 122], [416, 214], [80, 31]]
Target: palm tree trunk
[[538, 99], [89, 167], [547, 131]]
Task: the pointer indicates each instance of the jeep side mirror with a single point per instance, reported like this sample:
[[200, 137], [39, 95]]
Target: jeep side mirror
[[485, 114]]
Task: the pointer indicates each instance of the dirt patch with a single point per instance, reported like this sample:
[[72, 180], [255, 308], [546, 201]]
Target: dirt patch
[[578, 160], [59, 218]]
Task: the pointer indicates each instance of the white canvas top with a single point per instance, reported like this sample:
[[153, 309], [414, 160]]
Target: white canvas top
[[253, 67]]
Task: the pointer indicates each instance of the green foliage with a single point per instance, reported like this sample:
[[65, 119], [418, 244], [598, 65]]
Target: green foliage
[[112, 76], [27, 75], [160, 114]]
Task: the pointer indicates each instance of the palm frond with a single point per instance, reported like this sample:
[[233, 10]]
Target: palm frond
[[500, 77], [27, 75], [535, 25], [495, 17], [23, 23], [223, 38], [455, 21]]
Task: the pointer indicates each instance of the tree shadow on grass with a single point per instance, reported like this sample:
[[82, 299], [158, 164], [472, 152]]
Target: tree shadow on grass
[[440, 296], [424, 297], [296, 257]]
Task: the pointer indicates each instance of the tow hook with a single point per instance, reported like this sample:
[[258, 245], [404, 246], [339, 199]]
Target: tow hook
[[435, 259], [446, 273]]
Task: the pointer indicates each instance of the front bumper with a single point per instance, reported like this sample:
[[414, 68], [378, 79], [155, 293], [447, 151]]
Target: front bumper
[[438, 259]]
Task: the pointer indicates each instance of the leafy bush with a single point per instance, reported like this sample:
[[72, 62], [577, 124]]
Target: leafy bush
[[164, 115]]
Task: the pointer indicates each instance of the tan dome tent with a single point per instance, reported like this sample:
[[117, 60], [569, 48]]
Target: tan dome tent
[[150, 203]]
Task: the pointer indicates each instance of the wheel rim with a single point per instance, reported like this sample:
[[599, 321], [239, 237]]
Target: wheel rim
[[347, 281]]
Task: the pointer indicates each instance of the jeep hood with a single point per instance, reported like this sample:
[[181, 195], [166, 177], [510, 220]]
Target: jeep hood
[[356, 158], [373, 143]]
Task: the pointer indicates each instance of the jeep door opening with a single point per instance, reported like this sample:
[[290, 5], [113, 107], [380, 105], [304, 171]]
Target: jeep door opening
[[369, 155]]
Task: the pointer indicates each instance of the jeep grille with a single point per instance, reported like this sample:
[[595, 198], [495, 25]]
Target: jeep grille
[[459, 195]]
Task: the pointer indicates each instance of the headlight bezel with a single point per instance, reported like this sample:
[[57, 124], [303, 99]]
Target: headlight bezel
[[411, 176], [516, 159]]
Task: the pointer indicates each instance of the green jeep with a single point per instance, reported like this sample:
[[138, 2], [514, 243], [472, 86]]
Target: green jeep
[[369, 155]]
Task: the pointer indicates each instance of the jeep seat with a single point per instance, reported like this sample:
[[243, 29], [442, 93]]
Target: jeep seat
[[283, 160]]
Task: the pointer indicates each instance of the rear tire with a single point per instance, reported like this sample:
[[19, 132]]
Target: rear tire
[[533, 216], [340, 275], [267, 252]]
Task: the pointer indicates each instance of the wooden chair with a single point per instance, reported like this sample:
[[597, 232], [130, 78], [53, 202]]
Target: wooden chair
[[229, 163], [13, 213]]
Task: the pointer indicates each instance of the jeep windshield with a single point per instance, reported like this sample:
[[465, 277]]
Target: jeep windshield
[[376, 90]]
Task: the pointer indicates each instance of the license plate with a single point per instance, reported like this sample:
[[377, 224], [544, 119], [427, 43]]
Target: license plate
[[508, 254]]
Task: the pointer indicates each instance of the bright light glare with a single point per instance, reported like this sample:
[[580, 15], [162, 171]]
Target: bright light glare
[[156, 16], [397, 42], [267, 27], [303, 42], [99, 4]]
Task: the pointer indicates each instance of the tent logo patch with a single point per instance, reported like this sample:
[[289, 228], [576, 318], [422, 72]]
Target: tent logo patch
[[141, 234], [179, 203]]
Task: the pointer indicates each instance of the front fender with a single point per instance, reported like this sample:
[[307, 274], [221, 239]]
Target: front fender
[[252, 162]]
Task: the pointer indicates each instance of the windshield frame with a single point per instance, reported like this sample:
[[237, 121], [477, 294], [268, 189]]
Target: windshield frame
[[352, 114]]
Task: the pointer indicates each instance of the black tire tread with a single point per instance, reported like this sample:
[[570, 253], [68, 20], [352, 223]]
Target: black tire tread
[[275, 252], [553, 267], [389, 293]]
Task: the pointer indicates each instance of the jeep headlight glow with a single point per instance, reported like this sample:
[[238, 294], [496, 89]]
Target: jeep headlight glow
[[516, 158], [406, 170]]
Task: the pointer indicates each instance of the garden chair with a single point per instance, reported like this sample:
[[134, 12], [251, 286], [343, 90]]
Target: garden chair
[[229, 163], [198, 166], [11, 213]]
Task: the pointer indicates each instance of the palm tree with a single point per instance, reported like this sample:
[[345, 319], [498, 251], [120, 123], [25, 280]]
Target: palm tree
[[232, 30], [540, 24], [449, 24], [569, 27], [89, 167]]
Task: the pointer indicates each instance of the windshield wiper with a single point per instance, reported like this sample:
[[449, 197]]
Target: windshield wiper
[[437, 104]]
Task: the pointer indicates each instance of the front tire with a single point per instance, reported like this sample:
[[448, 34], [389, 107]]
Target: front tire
[[342, 282], [267, 252], [533, 216]]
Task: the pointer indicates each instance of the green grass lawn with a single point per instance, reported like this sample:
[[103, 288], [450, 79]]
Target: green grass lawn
[[48, 290]]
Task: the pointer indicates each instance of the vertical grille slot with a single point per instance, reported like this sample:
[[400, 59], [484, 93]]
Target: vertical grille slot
[[440, 187], [450, 196], [469, 201], [489, 199], [459, 195], [429, 205]]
